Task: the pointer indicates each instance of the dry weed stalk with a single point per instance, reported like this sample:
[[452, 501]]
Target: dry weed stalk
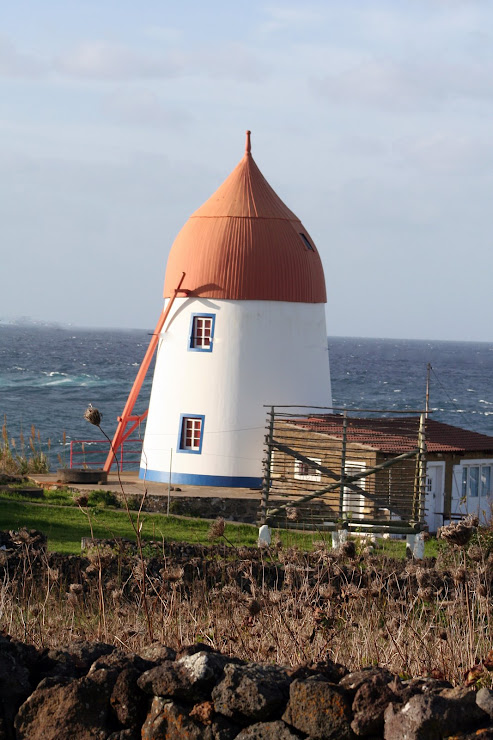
[[93, 416], [14, 460], [416, 619], [357, 614]]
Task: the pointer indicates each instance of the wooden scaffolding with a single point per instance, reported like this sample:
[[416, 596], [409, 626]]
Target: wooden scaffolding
[[341, 470]]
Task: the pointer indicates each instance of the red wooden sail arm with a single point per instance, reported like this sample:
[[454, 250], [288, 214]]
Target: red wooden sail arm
[[126, 416]]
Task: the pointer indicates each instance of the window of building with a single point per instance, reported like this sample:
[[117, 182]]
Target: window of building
[[191, 433], [202, 332], [307, 242], [476, 481], [303, 471], [486, 489]]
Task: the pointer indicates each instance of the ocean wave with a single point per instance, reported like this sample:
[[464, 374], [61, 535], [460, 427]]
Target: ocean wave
[[48, 380], [100, 367]]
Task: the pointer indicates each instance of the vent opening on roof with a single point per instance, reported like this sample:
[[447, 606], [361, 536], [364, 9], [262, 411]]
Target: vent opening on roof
[[307, 243]]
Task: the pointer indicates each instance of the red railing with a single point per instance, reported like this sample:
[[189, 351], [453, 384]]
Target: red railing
[[92, 453]]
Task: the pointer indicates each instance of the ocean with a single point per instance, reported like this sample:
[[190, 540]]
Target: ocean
[[49, 375]]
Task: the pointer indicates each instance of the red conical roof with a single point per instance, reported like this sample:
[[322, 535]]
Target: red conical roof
[[245, 244]]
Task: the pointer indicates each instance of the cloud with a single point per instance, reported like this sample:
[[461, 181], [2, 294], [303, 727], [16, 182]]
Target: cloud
[[406, 85], [143, 108], [15, 64], [446, 153], [105, 61], [230, 61], [108, 62], [282, 18], [165, 34]]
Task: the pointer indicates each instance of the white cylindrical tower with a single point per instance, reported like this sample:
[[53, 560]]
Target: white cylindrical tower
[[250, 331]]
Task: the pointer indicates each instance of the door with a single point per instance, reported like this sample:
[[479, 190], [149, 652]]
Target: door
[[353, 503], [477, 486], [434, 495]]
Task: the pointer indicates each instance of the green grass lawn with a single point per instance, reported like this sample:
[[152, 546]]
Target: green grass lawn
[[66, 525], [60, 496]]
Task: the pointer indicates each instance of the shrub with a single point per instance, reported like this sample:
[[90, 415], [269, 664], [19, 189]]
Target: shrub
[[60, 496], [133, 502], [15, 460], [102, 498]]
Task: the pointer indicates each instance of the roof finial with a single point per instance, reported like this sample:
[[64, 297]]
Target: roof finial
[[248, 145]]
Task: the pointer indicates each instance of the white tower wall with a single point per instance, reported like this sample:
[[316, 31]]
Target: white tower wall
[[263, 352]]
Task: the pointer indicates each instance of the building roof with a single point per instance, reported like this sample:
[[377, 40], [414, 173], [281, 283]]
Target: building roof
[[245, 244], [399, 435]]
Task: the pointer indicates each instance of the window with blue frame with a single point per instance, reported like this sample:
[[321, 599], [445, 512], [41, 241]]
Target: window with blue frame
[[202, 332], [191, 433]]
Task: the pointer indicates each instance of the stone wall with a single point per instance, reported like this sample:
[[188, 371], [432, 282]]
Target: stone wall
[[93, 691], [230, 509]]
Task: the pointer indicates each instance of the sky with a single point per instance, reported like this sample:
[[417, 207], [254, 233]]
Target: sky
[[372, 120]]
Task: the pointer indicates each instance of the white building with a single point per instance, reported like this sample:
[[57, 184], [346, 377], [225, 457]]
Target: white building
[[247, 329]]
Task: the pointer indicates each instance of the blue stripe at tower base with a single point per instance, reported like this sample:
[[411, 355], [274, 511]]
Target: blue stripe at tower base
[[220, 481]]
